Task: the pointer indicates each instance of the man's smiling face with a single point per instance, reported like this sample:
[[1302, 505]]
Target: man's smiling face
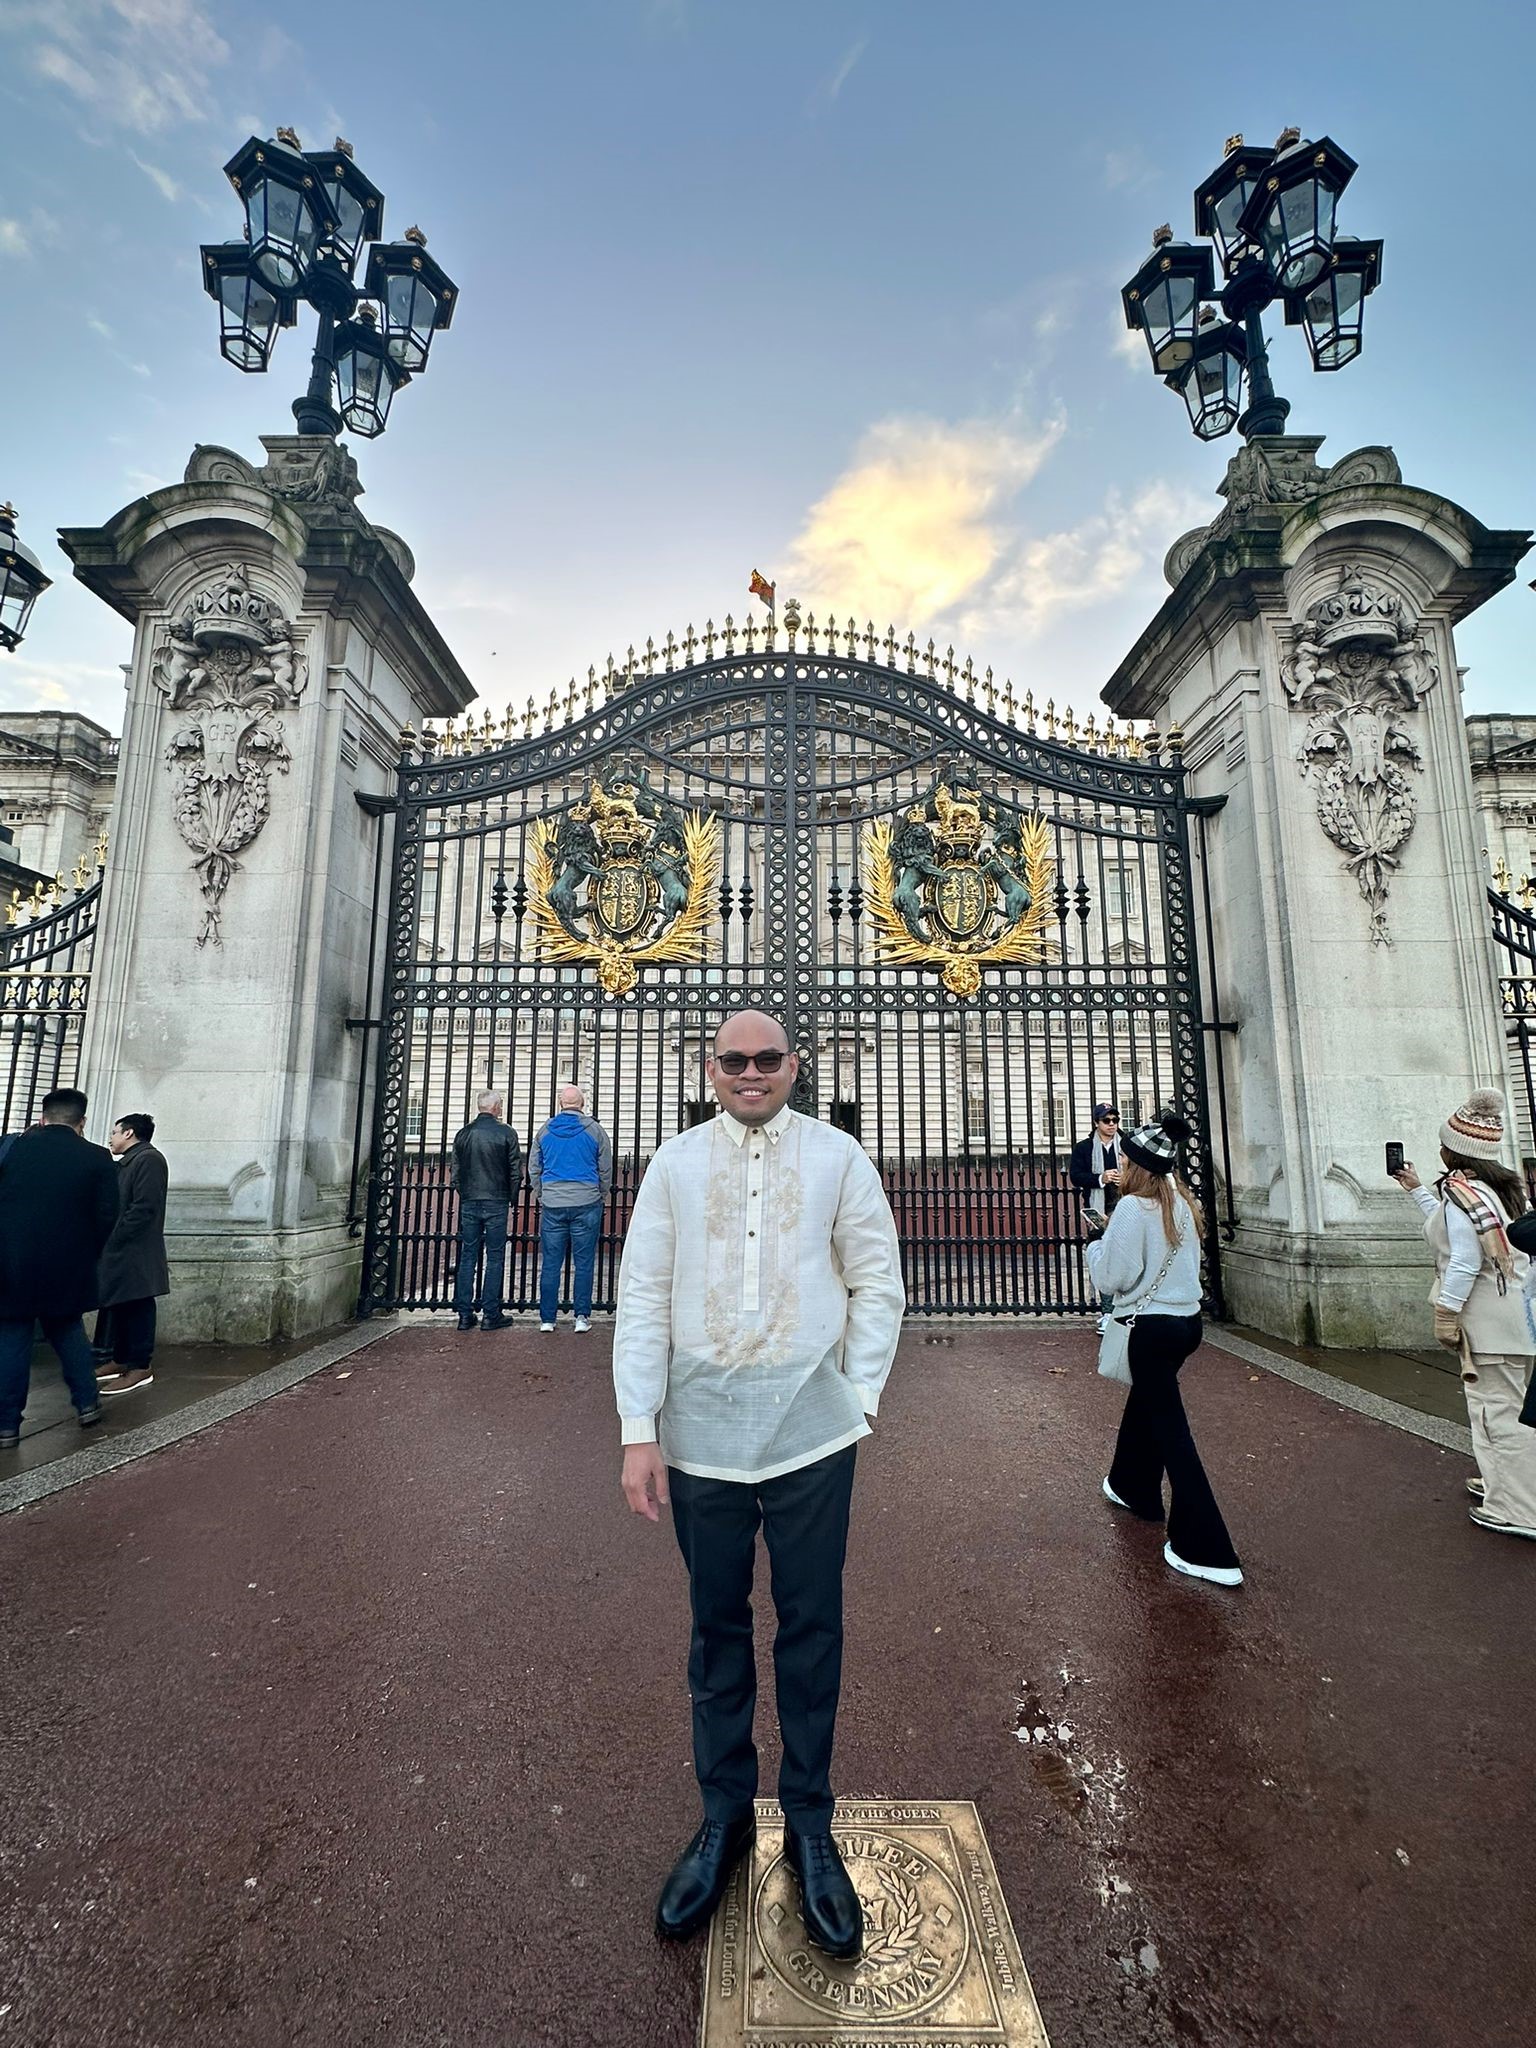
[[752, 1097]]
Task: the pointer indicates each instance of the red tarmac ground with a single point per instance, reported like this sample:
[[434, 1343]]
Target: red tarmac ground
[[360, 1718]]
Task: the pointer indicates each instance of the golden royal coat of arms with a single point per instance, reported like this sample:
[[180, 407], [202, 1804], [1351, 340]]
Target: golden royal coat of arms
[[624, 877], [959, 882]]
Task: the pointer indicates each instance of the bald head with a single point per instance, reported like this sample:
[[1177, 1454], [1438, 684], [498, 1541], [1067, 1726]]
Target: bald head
[[571, 1097], [755, 1092]]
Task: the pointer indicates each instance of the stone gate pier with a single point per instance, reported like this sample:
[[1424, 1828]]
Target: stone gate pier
[[1307, 652], [278, 651]]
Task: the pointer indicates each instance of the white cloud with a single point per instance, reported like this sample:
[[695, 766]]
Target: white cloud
[[142, 65], [1127, 170], [827, 91], [911, 529], [13, 238], [1129, 345], [162, 181], [99, 326], [72, 685]]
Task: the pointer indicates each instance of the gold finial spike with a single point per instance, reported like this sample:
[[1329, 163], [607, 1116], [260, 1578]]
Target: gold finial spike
[[610, 679], [1162, 236], [650, 656], [1176, 741], [287, 135], [428, 741], [669, 655], [415, 235], [530, 715], [1069, 727], [851, 638], [589, 694], [100, 850], [488, 726], [749, 635], [1287, 138], [629, 666], [910, 650], [1091, 734], [1010, 702], [1050, 718], [710, 637], [407, 742], [931, 662], [551, 709], [1028, 708], [1151, 741], [1132, 744], [728, 634], [968, 677], [810, 632], [1527, 890], [1232, 142], [570, 700], [791, 620], [13, 908], [508, 726], [80, 874], [1502, 878], [690, 646]]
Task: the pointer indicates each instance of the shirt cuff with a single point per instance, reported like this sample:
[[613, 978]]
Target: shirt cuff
[[869, 1400], [637, 1429], [1453, 1307]]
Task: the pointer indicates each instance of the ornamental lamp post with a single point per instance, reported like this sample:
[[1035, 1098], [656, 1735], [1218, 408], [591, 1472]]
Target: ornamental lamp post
[[1271, 214], [308, 217], [22, 582]]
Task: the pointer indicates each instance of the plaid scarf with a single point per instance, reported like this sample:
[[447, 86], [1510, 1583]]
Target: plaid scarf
[[1486, 1220]]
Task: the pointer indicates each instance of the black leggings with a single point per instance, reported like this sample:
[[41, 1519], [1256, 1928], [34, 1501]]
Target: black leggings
[[1155, 1438]]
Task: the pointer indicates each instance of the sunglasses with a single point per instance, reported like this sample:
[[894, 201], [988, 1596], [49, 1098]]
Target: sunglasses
[[738, 1062]]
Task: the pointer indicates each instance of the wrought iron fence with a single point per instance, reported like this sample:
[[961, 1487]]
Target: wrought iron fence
[[47, 945], [1514, 938]]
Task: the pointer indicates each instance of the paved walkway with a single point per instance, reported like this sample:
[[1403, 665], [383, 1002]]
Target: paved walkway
[[358, 1719]]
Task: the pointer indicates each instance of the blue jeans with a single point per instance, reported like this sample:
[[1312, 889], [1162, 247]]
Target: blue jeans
[[559, 1229], [67, 1336], [482, 1227]]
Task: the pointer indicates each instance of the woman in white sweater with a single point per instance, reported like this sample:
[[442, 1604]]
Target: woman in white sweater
[[1148, 1258], [1480, 1310]]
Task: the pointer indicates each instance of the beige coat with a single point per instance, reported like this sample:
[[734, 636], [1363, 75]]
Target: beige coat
[[1493, 1323]]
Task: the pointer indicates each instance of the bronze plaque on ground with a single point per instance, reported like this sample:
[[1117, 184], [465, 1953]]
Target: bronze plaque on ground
[[940, 1967]]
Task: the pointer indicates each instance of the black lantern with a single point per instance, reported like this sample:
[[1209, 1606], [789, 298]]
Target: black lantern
[[250, 312], [417, 296], [1211, 383], [1290, 213], [1333, 312], [1163, 299], [356, 203], [287, 214], [367, 378], [21, 582], [1220, 201]]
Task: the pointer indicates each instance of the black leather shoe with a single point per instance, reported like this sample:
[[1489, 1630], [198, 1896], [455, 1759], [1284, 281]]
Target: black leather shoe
[[89, 1416], [9, 1439], [829, 1905], [700, 1876], [469, 1322], [497, 1323]]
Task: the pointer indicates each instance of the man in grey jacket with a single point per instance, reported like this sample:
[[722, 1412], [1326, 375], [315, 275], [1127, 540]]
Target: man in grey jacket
[[487, 1173], [570, 1164]]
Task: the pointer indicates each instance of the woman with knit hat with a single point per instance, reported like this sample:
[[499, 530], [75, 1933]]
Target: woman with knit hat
[[1148, 1258], [1480, 1306]]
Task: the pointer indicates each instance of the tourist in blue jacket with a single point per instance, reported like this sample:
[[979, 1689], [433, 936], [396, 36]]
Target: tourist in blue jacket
[[570, 1164]]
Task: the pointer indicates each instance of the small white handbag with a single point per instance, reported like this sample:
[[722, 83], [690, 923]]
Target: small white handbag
[[1115, 1343]]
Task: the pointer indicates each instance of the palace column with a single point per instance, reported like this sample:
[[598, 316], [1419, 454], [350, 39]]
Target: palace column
[[1307, 653], [278, 651]]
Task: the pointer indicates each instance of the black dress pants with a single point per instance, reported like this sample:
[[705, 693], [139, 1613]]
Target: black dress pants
[[1155, 1438], [126, 1333], [804, 1518]]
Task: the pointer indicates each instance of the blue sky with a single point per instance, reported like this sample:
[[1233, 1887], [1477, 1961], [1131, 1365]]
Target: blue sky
[[831, 290]]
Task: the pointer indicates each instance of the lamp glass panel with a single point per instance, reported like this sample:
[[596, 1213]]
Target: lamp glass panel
[[1226, 213], [349, 213], [410, 309], [1168, 311], [16, 597]]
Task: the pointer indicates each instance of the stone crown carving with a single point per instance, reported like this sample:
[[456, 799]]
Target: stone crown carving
[[228, 665], [1358, 668], [1270, 473]]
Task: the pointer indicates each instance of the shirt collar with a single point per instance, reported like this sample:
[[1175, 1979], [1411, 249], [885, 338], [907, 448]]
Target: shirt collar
[[739, 1132]]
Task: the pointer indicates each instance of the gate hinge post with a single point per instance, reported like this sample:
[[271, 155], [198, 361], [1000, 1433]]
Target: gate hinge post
[[375, 806]]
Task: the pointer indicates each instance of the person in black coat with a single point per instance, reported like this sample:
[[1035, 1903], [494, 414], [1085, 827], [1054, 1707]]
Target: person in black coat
[[487, 1173], [58, 1203], [1096, 1161], [133, 1269]]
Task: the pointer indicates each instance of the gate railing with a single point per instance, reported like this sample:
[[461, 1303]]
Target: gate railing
[[47, 947], [1514, 937]]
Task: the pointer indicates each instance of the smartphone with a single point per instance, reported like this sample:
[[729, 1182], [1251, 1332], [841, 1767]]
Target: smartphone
[[1394, 1156]]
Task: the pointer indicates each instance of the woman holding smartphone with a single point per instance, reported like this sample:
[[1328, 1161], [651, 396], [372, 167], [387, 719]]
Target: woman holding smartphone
[[1480, 1310], [1148, 1257]]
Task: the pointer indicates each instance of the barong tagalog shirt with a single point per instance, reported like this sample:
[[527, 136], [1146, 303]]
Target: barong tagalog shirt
[[760, 1298]]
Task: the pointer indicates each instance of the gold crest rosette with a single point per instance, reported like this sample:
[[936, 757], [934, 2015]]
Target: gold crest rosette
[[636, 859], [938, 880]]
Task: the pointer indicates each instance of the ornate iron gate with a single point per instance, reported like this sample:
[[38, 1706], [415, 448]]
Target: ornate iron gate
[[974, 920], [1514, 936], [47, 943]]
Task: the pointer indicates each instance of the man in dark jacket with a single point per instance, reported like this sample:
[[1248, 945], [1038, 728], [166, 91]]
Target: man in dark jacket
[[487, 1172], [1096, 1161], [570, 1164], [58, 1203], [133, 1268]]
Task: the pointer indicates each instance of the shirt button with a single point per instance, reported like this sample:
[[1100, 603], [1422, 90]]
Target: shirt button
[[751, 1233]]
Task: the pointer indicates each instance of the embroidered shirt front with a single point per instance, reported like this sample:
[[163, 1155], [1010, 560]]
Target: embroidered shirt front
[[760, 1298]]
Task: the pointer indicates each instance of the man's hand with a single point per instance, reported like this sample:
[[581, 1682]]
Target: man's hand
[[1448, 1328], [645, 1481], [1110, 1178]]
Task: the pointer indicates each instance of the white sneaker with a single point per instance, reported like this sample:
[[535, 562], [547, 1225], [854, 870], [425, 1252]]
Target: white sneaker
[[1486, 1521], [1474, 1486], [1218, 1574], [547, 1329], [1110, 1494], [583, 1324]]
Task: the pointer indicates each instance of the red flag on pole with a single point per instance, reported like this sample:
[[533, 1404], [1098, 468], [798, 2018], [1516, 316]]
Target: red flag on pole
[[761, 587]]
